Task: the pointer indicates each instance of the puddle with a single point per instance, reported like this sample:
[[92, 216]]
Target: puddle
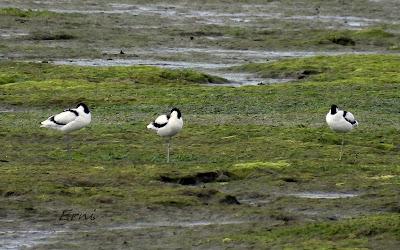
[[323, 195], [306, 195], [215, 38], [132, 62], [26, 238], [187, 224], [17, 239], [4, 33], [245, 79]]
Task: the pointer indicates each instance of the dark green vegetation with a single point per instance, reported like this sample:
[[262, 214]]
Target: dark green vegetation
[[255, 145]]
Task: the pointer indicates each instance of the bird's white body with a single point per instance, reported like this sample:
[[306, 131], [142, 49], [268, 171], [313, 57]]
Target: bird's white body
[[340, 121], [69, 120], [167, 125]]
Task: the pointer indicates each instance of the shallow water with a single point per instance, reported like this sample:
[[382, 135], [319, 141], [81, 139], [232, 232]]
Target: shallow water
[[6, 33], [306, 195], [323, 195], [16, 234], [25, 238], [132, 62], [17, 239], [245, 79], [145, 225]]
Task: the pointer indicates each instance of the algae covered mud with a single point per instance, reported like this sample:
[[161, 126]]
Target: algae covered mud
[[254, 167], [204, 35]]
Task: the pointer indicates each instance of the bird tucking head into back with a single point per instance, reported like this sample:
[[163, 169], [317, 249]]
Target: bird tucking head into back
[[334, 109], [84, 107], [177, 112]]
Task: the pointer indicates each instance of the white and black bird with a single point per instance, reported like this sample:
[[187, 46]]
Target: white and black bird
[[168, 126], [340, 121], [69, 120]]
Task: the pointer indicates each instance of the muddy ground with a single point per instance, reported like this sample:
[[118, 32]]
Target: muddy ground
[[211, 37], [207, 36]]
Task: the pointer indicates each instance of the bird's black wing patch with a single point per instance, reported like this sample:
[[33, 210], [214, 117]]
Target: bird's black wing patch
[[350, 121], [158, 125], [56, 122], [72, 111]]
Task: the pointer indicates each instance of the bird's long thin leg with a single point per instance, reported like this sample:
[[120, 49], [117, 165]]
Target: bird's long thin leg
[[168, 148], [341, 149]]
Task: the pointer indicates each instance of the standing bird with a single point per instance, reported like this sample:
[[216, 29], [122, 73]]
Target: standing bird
[[340, 121], [168, 126], [69, 120]]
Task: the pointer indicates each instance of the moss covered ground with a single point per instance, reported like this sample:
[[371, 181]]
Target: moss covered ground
[[255, 167], [262, 144]]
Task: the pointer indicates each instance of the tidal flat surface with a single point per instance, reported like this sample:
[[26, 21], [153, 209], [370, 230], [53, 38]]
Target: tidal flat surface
[[255, 167], [207, 36]]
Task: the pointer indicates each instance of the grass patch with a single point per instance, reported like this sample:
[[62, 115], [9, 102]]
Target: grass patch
[[25, 72], [363, 232], [365, 37], [347, 69], [259, 165], [243, 170]]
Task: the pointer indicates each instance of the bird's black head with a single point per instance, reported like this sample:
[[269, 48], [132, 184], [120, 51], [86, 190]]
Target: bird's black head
[[84, 106], [334, 109], [179, 114]]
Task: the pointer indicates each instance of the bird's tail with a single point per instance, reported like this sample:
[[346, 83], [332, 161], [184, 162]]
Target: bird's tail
[[46, 124], [151, 126]]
